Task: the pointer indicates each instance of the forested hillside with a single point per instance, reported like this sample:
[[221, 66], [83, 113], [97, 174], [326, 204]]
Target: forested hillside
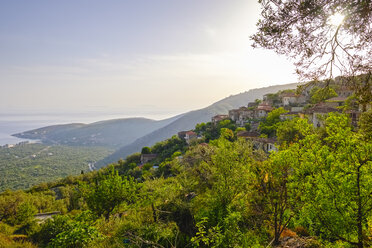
[[23, 166]]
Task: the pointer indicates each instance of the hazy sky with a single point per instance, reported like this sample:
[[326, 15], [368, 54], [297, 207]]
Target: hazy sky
[[132, 56]]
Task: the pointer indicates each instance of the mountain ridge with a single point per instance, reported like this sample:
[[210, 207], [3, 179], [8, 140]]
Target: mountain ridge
[[109, 133], [190, 119]]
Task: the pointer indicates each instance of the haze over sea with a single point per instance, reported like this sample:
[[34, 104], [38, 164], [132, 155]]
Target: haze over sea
[[11, 123]]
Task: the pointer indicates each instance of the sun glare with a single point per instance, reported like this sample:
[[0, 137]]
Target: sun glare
[[336, 19]]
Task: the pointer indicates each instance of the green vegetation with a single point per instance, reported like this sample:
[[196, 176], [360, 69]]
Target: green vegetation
[[190, 119], [318, 94], [211, 131], [108, 192], [304, 32], [366, 124], [221, 194], [23, 166], [270, 124]]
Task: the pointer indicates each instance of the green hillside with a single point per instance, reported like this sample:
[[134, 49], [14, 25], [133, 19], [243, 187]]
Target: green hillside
[[23, 166], [224, 193]]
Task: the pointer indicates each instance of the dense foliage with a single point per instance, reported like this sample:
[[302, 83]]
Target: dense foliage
[[321, 36], [218, 194]]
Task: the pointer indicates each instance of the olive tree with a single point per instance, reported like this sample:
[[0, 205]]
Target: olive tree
[[323, 38], [108, 192]]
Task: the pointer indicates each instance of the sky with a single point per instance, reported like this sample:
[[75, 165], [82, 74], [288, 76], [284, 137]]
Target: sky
[[135, 57]]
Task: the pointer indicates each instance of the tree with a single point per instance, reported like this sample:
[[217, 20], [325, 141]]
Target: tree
[[109, 192], [365, 123], [323, 38], [289, 131], [77, 234], [329, 35], [146, 150], [25, 213], [318, 94], [200, 128], [336, 174], [226, 179], [275, 192], [68, 231], [271, 122]]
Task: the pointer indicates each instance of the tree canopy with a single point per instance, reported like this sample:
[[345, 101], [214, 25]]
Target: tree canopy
[[323, 37]]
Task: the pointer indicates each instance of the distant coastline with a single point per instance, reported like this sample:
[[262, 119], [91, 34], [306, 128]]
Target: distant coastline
[[16, 123], [11, 140]]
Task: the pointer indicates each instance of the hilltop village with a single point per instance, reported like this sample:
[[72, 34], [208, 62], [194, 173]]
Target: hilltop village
[[256, 121], [311, 102], [209, 181]]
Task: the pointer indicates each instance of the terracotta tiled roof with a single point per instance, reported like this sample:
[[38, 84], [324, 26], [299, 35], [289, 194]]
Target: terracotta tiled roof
[[264, 106], [218, 118], [191, 133]]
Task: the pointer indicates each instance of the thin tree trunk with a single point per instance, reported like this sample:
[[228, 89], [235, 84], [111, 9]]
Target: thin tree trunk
[[154, 212], [276, 228]]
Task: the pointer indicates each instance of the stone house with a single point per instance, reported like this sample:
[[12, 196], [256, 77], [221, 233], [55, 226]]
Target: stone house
[[218, 118], [145, 158], [182, 134], [241, 116], [288, 98], [335, 102], [234, 114], [344, 91], [289, 116], [317, 113], [252, 104], [190, 136], [265, 144], [262, 110]]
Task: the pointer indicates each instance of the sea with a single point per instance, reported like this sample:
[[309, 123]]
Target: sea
[[16, 123]]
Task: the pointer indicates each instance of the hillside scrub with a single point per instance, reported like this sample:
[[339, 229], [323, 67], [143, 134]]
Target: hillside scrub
[[221, 194]]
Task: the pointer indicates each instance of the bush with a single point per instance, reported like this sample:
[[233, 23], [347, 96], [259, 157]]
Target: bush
[[25, 213], [51, 229], [78, 234], [66, 231]]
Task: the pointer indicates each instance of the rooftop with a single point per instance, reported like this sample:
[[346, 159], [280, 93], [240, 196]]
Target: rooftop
[[337, 99], [191, 133], [321, 108], [264, 106], [247, 134]]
